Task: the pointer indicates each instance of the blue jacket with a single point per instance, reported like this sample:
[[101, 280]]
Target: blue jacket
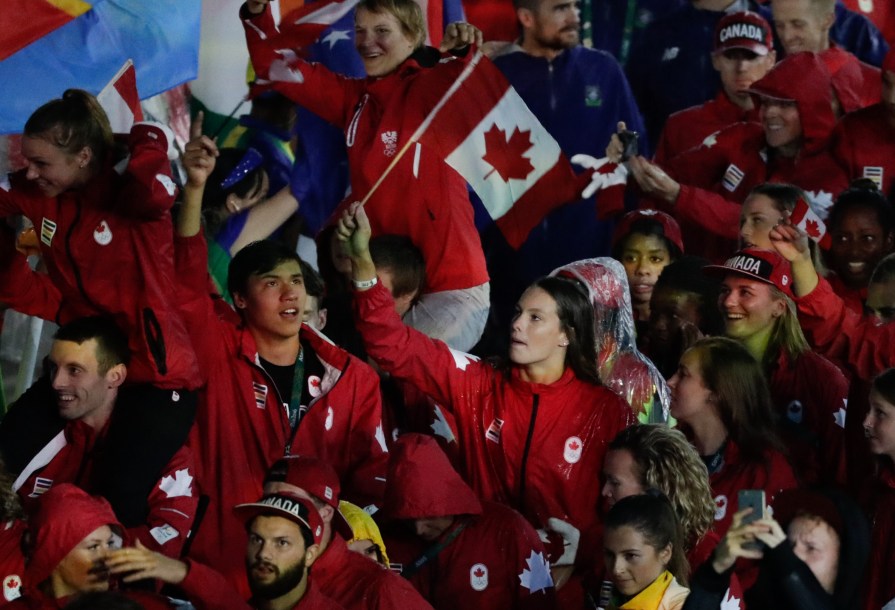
[[579, 97], [858, 35]]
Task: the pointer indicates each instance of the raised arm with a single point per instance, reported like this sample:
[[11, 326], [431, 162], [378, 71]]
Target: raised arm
[[408, 354]]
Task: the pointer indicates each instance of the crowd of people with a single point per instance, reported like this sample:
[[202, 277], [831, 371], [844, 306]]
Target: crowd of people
[[683, 401]]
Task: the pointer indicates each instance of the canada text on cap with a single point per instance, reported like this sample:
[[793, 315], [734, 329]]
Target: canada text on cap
[[743, 30]]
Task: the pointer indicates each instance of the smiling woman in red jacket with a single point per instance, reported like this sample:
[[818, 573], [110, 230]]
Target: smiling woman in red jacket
[[531, 435]]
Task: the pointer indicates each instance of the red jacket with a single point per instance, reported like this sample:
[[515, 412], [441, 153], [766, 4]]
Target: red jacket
[[497, 561], [878, 500], [688, 128], [850, 340], [356, 582], [422, 198], [172, 503], [242, 427], [538, 448], [811, 396], [12, 560], [773, 476], [856, 84], [716, 177], [108, 250], [864, 144], [209, 590]]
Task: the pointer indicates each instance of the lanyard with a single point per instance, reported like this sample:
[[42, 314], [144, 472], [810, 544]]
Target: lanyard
[[430, 553], [298, 380]]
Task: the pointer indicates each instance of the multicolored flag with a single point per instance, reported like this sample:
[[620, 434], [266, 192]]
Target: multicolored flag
[[24, 21]]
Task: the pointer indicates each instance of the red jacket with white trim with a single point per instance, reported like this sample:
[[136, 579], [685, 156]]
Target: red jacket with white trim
[[171, 504], [109, 251], [422, 198], [242, 426], [538, 448], [496, 561]]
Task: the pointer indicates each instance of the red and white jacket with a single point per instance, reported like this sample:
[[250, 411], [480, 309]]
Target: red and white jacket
[[538, 448], [73, 457], [108, 250], [242, 426], [496, 560], [422, 198], [810, 396], [688, 128]]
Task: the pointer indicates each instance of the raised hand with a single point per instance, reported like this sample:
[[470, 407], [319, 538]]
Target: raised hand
[[199, 154], [460, 34]]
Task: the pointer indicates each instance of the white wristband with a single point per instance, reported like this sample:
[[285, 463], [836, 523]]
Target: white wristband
[[365, 284]]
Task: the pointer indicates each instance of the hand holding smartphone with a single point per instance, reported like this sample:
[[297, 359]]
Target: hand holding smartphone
[[754, 499]]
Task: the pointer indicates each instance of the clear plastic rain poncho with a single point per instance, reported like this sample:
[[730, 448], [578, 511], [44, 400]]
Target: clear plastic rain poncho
[[621, 365]]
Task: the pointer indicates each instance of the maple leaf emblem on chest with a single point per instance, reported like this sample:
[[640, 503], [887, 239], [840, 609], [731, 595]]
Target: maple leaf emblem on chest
[[506, 155]]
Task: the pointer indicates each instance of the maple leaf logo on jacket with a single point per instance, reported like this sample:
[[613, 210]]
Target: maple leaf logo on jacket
[[177, 486], [506, 156]]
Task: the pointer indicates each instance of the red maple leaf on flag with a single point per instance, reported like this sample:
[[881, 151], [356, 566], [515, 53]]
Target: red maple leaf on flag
[[812, 229], [506, 155], [573, 445], [479, 572]]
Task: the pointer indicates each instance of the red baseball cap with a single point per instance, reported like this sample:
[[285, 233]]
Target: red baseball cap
[[670, 228], [286, 505], [761, 265], [316, 478], [743, 30]]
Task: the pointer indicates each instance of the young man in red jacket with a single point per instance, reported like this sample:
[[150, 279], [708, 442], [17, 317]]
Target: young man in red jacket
[[743, 53], [273, 385], [88, 364], [347, 577]]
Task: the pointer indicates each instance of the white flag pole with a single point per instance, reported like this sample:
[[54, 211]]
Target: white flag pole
[[426, 122]]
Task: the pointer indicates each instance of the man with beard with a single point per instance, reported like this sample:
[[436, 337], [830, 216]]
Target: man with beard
[[579, 95], [285, 532]]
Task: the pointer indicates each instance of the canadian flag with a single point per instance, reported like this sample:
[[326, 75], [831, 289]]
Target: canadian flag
[[808, 221], [120, 100], [485, 131]]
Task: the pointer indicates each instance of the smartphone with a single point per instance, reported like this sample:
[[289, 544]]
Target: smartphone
[[629, 143], [754, 499]]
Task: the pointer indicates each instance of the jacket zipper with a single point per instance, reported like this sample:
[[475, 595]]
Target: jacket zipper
[[74, 266], [528, 437]]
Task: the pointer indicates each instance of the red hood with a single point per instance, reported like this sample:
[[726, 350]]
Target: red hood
[[65, 516], [846, 76], [804, 78], [422, 483]]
